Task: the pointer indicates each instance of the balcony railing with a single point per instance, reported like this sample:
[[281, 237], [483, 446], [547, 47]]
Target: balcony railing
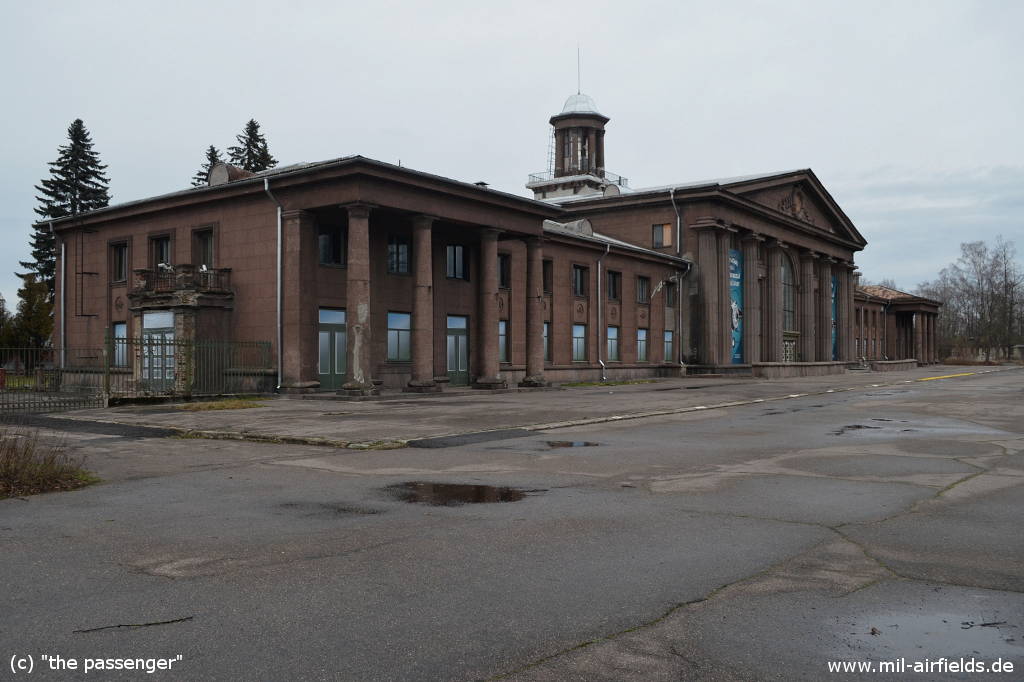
[[183, 277], [611, 178]]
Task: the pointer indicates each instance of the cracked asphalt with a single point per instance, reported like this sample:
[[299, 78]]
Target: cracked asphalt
[[752, 542]]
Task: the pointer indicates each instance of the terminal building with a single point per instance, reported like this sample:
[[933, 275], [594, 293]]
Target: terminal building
[[363, 274]]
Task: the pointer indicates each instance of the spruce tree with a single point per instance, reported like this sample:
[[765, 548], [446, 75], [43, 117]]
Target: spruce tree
[[34, 322], [76, 185], [252, 152], [202, 175]]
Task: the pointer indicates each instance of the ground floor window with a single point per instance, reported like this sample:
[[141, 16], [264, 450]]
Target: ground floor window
[[613, 344], [789, 349], [579, 343], [641, 345], [503, 341], [399, 337], [669, 346], [547, 342], [119, 337]]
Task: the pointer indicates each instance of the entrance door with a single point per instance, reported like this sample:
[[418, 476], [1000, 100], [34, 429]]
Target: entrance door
[[158, 351], [332, 348], [458, 350]]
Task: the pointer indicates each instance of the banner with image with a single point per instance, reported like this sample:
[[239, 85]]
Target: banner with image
[[736, 304]]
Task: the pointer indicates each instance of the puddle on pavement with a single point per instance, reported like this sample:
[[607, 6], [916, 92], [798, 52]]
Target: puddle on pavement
[[853, 427], [571, 444], [455, 494], [950, 634]]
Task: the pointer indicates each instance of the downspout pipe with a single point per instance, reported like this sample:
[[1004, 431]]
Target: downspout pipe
[[280, 284], [600, 318], [63, 296], [679, 284]]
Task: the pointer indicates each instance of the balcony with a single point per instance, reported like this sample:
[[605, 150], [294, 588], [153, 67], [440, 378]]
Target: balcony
[[548, 176], [184, 277]]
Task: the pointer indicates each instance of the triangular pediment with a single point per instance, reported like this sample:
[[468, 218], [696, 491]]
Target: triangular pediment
[[801, 196]]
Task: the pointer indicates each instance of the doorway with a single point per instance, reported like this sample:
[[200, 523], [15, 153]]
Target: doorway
[[458, 350], [158, 348], [333, 346]]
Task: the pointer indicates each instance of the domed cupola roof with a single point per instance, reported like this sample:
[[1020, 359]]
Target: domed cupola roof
[[580, 104]]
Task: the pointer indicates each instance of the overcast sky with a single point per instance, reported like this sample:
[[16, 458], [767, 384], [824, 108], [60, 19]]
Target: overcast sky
[[909, 112]]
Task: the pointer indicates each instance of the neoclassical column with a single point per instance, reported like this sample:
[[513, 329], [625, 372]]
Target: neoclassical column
[[724, 295], [298, 303], [935, 338], [534, 314], [848, 285], [423, 306], [489, 311], [773, 308], [751, 299], [357, 303], [708, 276], [824, 319], [807, 307]]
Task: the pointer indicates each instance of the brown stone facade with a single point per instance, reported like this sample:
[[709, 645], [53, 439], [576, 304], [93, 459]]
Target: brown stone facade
[[894, 326]]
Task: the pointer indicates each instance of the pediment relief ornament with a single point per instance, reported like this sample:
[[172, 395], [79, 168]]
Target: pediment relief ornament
[[795, 204]]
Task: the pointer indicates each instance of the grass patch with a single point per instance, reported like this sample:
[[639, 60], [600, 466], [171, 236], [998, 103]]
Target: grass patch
[[222, 404], [29, 466], [576, 384]]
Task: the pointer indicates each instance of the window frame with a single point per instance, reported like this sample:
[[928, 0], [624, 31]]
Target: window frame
[[643, 339], [503, 342], [583, 280], [669, 345], [155, 239], [399, 334], [643, 290], [614, 287], [120, 246], [613, 343], [396, 244], [547, 341], [548, 276], [197, 234], [789, 302], [456, 265], [504, 270], [336, 232], [661, 235], [579, 342], [671, 295]]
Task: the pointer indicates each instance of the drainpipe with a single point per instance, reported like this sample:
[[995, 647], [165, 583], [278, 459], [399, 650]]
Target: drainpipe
[[600, 319], [280, 331], [679, 283], [63, 296]]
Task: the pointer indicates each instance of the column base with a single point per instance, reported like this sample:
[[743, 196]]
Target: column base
[[355, 390], [490, 383], [535, 381], [422, 387], [298, 387]]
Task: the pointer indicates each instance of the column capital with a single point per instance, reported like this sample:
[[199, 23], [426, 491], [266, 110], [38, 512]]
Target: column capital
[[358, 210], [808, 255], [297, 214], [489, 232], [708, 223], [777, 244], [753, 237], [424, 220]]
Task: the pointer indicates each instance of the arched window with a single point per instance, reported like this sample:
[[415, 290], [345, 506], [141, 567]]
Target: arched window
[[788, 296]]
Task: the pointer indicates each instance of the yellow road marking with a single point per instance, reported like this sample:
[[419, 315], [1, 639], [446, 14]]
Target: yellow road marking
[[948, 376]]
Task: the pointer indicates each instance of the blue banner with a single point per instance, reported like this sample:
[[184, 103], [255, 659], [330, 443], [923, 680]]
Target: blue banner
[[736, 304], [835, 320]]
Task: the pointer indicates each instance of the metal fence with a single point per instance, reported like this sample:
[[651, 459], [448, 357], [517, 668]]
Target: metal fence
[[153, 366]]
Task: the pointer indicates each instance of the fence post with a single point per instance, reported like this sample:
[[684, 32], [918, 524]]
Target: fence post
[[107, 354]]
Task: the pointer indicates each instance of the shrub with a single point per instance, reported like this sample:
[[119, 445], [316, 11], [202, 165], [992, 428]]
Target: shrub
[[29, 465]]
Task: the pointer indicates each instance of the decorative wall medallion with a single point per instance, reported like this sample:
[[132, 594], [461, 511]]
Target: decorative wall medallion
[[613, 312], [579, 308], [118, 304], [501, 303], [795, 205], [642, 314]]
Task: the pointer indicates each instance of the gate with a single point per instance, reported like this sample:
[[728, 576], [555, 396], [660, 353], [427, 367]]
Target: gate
[[32, 380]]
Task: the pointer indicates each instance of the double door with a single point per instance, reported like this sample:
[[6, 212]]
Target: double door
[[458, 350], [333, 343]]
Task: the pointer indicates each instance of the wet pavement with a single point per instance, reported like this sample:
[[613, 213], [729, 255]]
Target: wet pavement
[[744, 543]]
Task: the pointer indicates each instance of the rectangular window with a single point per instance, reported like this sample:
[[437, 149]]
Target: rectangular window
[[580, 276], [661, 235], [670, 351], [641, 345], [643, 289], [614, 285], [455, 262], [161, 248], [399, 337], [671, 294], [579, 343], [398, 254], [549, 276], [504, 271], [613, 344], [119, 262], [119, 337], [503, 341], [547, 342], [202, 249], [331, 243]]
